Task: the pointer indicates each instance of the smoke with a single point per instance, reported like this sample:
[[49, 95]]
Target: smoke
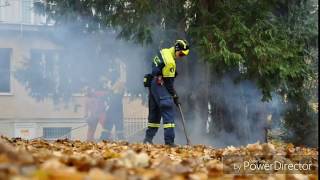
[[236, 114], [80, 60]]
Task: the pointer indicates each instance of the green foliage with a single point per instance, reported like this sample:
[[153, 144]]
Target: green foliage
[[301, 125], [259, 41]]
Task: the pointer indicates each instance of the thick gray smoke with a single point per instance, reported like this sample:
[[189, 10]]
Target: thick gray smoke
[[81, 60], [244, 119]]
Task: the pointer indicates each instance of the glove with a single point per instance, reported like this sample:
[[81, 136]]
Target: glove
[[176, 99], [159, 80]]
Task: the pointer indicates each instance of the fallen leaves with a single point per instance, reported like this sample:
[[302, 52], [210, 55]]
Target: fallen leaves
[[131, 159], [65, 159]]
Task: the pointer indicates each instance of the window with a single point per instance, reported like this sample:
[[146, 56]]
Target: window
[[45, 64], [3, 5], [56, 133], [26, 8], [28, 13], [5, 54]]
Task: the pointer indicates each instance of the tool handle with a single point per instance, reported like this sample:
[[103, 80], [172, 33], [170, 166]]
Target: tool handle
[[183, 124]]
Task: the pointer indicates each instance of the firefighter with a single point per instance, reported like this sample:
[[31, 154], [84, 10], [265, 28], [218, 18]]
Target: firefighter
[[162, 95], [114, 111]]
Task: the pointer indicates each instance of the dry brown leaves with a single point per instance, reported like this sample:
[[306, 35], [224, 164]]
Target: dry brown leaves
[[66, 160]]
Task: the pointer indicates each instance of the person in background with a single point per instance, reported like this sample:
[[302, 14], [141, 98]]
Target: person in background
[[114, 110], [95, 111]]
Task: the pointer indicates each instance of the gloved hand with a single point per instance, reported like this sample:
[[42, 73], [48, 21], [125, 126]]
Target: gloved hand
[[159, 80], [176, 99]]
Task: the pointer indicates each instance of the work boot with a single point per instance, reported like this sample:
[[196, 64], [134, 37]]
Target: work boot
[[120, 136], [172, 145], [105, 135], [147, 141]]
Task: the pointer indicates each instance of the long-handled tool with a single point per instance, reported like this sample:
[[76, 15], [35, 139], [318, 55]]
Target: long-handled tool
[[183, 124]]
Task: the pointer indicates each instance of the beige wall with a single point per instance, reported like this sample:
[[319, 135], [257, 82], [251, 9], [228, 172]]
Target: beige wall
[[6, 128]]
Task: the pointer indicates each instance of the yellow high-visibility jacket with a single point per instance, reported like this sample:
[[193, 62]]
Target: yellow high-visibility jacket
[[164, 64]]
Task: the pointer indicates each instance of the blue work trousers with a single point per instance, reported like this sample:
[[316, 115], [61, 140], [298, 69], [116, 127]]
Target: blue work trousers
[[114, 116], [160, 105]]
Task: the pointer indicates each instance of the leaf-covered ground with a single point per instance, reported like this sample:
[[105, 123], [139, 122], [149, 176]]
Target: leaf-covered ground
[[66, 160]]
